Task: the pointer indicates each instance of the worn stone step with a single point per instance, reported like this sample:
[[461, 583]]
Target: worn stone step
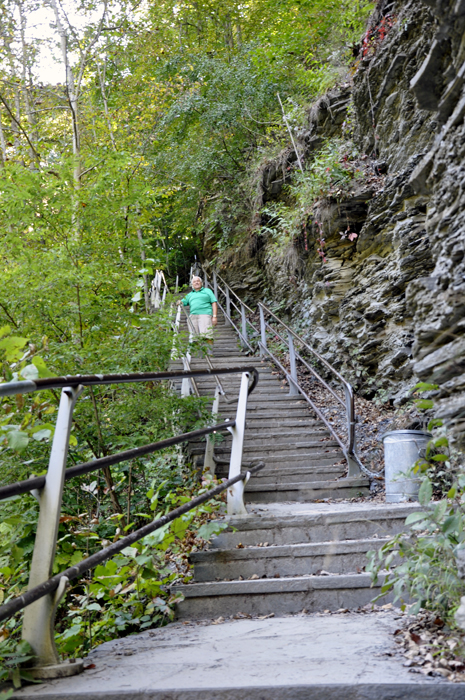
[[314, 522], [293, 474], [291, 448], [287, 422], [273, 457], [252, 442], [281, 455], [264, 412], [296, 435], [276, 595], [350, 487], [286, 560], [298, 657]]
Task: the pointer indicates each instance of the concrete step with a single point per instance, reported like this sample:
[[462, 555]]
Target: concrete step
[[285, 437], [285, 560], [314, 522], [272, 475], [303, 457], [269, 425], [274, 458], [279, 450], [300, 657], [306, 491], [322, 465], [280, 596], [265, 412]]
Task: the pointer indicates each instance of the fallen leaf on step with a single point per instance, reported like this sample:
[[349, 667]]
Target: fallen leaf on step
[[324, 573], [277, 576], [89, 666], [218, 621], [265, 617], [252, 578], [241, 616], [239, 546]]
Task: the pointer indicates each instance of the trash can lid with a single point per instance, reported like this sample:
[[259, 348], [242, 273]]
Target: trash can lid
[[425, 433]]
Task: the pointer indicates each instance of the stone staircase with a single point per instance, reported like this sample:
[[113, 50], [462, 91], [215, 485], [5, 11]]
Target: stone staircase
[[302, 461], [293, 552]]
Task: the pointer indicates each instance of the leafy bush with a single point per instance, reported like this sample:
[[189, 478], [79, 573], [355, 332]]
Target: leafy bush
[[421, 564]]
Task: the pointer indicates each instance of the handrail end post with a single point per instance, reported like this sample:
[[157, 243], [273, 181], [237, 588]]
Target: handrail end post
[[39, 617], [209, 460], [236, 504], [236, 492], [293, 385], [354, 468]]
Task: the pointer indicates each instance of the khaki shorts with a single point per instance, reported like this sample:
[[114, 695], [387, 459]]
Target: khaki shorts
[[202, 324]]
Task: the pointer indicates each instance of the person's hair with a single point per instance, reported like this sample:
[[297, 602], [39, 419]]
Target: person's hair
[[195, 277]]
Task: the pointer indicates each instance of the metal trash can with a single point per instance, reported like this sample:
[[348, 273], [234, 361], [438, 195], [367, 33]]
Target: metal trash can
[[401, 451]]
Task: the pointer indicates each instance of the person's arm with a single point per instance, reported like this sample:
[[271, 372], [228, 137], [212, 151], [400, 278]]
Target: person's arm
[[215, 313], [185, 301]]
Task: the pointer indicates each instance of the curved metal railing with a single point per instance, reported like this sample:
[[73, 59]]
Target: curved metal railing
[[348, 446]]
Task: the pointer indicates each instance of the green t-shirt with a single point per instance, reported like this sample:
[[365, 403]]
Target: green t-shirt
[[200, 302]]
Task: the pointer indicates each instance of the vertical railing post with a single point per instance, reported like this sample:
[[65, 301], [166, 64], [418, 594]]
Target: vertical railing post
[[228, 307], [209, 461], [177, 324], [354, 469], [186, 382], [244, 326], [176, 288], [262, 331], [205, 280], [236, 492], [156, 288], [293, 390], [215, 285], [39, 617]]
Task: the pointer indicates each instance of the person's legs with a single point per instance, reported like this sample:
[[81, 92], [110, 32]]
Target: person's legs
[[205, 325], [194, 322]]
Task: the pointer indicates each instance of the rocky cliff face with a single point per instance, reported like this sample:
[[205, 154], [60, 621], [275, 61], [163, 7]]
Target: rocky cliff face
[[388, 306]]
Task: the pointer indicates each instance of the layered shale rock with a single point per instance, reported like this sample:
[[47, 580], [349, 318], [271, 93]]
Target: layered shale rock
[[388, 306]]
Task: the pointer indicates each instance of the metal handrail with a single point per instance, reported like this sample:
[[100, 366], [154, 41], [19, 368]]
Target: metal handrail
[[233, 293], [51, 585], [38, 482], [348, 447], [311, 369], [44, 593], [185, 360], [157, 298]]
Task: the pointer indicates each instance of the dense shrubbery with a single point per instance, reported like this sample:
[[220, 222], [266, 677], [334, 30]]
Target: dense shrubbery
[[421, 564]]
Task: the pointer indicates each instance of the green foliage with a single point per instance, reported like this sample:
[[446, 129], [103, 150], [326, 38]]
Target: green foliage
[[331, 171], [12, 655], [421, 563]]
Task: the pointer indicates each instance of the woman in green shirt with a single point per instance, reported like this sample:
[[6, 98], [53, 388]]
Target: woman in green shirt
[[203, 307]]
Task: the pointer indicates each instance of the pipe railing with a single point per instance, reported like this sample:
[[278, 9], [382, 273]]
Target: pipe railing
[[242, 310], [158, 291], [348, 446], [44, 591]]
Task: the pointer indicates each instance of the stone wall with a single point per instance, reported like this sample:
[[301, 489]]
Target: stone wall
[[388, 307]]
